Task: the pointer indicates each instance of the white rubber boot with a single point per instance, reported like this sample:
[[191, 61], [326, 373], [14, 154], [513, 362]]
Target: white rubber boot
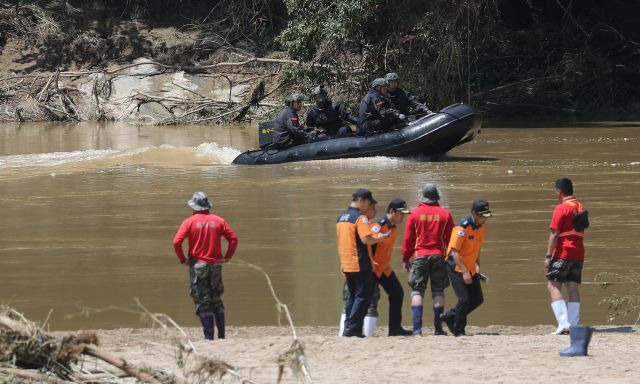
[[573, 312], [369, 328], [560, 311], [343, 317]]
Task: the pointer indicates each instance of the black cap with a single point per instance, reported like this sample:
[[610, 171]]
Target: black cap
[[481, 207], [363, 193], [398, 205]]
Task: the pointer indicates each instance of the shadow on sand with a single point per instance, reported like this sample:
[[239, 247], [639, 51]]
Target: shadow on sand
[[614, 330]]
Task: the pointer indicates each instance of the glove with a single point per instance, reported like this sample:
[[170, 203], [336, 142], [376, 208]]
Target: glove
[[402, 117]]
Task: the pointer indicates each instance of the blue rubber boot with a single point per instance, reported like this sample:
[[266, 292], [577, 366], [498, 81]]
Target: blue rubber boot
[[207, 326], [416, 316], [220, 324], [580, 337]]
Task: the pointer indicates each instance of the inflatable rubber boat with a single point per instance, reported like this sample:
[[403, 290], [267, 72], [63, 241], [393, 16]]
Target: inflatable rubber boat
[[430, 136]]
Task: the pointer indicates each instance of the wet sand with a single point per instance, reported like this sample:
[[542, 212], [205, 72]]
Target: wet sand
[[493, 354]]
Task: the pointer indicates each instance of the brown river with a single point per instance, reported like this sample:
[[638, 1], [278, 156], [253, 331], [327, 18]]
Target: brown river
[[88, 212]]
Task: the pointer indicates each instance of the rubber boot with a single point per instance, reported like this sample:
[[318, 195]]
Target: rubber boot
[[437, 321], [220, 324], [573, 312], [343, 317], [369, 328], [416, 316], [560, 311], [580, 338], [207, 326]]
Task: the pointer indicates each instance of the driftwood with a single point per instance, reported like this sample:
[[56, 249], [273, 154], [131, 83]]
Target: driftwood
[[61, 352], [117, 362], [92, 100], [35, 376]]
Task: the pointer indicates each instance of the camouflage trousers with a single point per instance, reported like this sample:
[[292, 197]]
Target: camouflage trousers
[[206, 287]]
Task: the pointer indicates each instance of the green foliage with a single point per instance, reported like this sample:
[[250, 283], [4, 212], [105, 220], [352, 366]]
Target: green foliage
[[325, 24]]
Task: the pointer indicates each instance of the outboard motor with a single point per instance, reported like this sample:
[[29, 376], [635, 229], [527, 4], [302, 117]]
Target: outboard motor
[[265, 134]]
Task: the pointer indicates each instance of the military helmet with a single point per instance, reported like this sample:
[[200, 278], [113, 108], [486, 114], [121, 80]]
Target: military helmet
[[293, 97], [379, 82], [319, 90], [392, 76]]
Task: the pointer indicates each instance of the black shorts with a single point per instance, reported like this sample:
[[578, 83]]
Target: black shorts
[[564, 270]]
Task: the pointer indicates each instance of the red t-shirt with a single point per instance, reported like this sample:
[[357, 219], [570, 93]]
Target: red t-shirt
[[204, 231], [427, 232], [570, 246]]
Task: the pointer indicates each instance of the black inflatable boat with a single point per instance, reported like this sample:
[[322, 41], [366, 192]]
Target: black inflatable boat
[[431, 135]]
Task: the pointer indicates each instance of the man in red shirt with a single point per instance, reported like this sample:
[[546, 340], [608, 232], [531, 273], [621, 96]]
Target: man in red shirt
[[204, 231], [565, 257], [426, 237]]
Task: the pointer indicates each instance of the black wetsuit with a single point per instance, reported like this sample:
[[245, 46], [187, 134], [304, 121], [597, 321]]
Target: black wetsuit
[[405, 102], [330, 119], [288, 132], [376, 114]]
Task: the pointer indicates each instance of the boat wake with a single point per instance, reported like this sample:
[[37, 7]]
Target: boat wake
[[36, 164]]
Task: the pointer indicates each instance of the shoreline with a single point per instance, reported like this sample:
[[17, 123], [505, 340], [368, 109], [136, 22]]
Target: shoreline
[[493, 354]]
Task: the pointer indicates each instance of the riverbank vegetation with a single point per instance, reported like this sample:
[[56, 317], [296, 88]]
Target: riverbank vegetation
[[533, 57]]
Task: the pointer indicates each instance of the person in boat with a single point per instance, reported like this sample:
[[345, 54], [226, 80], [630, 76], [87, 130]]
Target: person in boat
[[287, 130], [401, 99], [376, 114], [328, 116]]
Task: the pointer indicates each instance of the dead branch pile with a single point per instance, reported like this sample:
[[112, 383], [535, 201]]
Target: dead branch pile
[[25, 347], [91, 95], [28, 354]]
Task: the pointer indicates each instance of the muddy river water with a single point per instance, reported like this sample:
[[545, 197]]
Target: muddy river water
[[88, 212]]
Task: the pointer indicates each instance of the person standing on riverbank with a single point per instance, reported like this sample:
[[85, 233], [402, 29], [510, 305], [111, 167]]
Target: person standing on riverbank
[[353, 236], [426, 237], [463, 266], [565, 255], [384, 274], [204, 231]]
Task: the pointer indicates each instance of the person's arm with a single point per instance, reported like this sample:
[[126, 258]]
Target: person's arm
[[415, 105], [311, 119], [179, 237], [408, 241], [551, 245], [345, 114], [367, 236], [374, 238], [448, 229], [554, 227], [457, 258], [232, 239], [297, 131]]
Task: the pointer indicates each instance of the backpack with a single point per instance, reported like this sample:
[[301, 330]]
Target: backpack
[[580, 218]]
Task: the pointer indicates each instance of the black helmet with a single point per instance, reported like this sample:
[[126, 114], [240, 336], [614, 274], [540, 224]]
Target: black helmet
[[392, 76], [379, 82], [293, 97], [319, 90]]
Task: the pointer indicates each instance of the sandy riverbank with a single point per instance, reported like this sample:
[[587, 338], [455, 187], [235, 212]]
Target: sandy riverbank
[[494, 354]]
